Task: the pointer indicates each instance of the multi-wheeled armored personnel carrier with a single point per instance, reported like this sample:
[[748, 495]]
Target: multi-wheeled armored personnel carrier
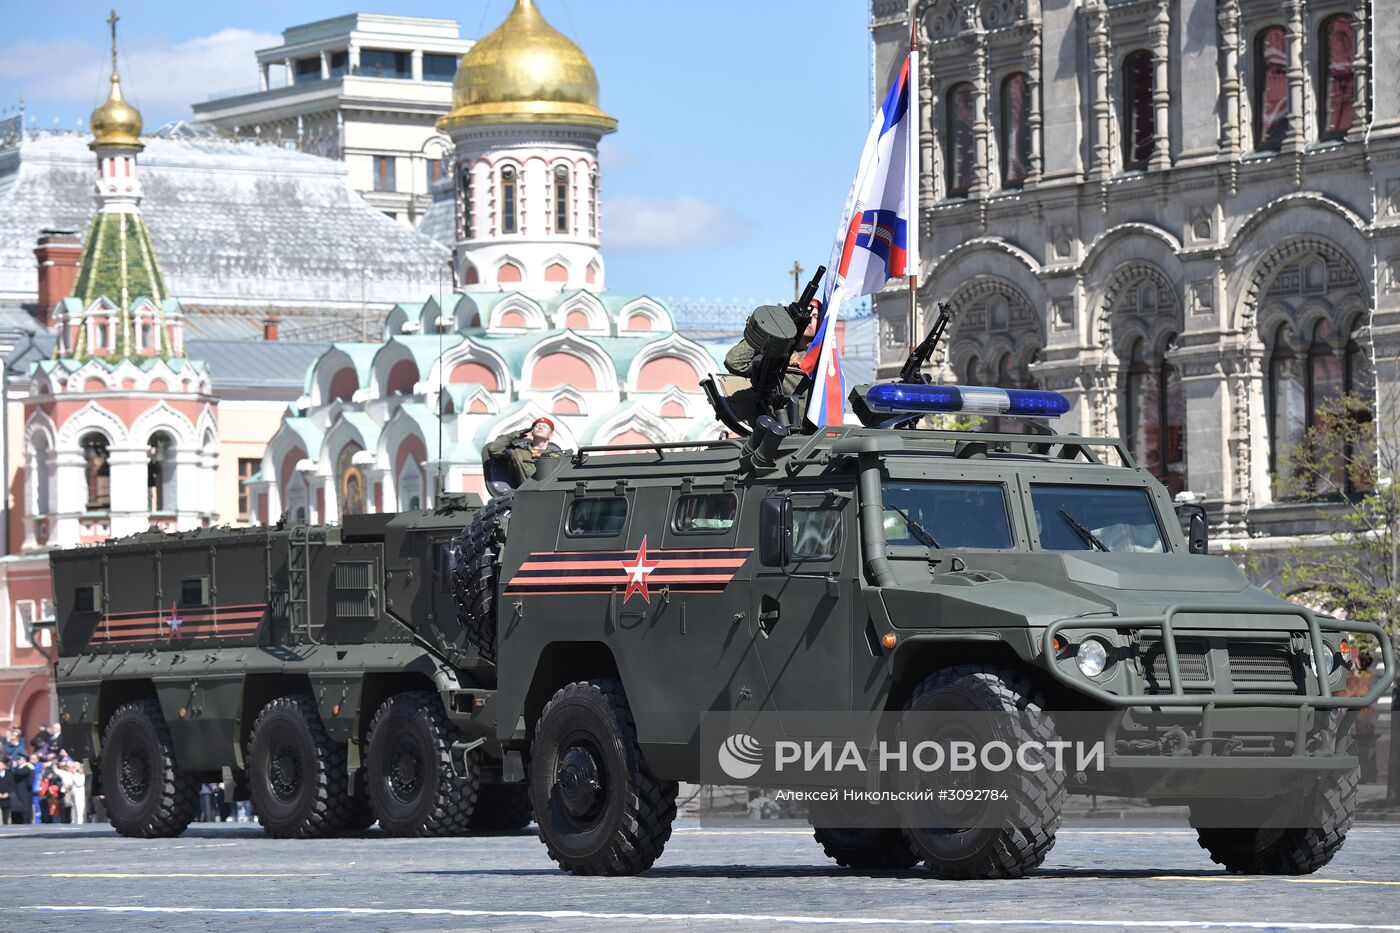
[[319, 670], [564, 647]]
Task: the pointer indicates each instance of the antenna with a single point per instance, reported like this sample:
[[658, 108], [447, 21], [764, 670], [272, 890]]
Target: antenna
[[441, 385]]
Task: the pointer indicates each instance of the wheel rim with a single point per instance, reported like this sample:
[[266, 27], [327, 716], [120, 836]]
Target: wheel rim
[[135, 773], [404, 776], [579, 781], [284, 772]]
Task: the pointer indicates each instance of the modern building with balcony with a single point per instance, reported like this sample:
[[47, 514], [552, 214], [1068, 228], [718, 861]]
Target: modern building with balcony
[[366, 88]]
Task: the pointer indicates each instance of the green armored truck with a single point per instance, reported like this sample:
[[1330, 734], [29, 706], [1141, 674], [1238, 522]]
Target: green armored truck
[[320, 670], [628, 595]]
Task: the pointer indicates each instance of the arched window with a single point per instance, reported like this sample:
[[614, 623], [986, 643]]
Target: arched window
[[40, 474], [1336, 76], [1015, 142], [465, 187], [1270, 87], [962, 145], [1155, 416], [1139, 117], [350, 482], [160, 473], [1299, 385], [972, 373], [561, 199], [593, 207], [509, 207], [98, 472]]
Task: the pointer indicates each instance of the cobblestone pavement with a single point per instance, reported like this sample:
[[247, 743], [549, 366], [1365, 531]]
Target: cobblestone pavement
[[740, 876]]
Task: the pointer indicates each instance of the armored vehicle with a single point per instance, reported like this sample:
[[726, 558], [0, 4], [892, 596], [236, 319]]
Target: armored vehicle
[[319, 670], [627, 593]]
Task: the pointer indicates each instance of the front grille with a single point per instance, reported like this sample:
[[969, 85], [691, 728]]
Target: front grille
[[1252, 664], [1190, 661]]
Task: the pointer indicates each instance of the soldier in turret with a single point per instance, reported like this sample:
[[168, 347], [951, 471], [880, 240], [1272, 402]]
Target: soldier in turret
[[517, 451], [739, 361]]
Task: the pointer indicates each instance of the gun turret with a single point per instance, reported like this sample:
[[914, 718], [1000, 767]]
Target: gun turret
[[774, 340], [771, 336]]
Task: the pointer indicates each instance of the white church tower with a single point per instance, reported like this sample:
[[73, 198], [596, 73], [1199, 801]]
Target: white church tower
[[526, 125]]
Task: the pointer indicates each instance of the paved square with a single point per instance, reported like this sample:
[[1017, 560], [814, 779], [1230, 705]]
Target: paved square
[[740, 876]]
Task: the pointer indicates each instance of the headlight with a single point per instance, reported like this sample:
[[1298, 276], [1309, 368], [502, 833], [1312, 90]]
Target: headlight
[[1092, 657], [1312, 661]]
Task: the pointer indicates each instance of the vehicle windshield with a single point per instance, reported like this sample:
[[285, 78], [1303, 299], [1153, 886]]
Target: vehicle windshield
[[946, 514], [1096, 518]]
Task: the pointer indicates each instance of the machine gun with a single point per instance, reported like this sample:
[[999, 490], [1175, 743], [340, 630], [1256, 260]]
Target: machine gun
[[913, 371], [773, 337], [771, 333]]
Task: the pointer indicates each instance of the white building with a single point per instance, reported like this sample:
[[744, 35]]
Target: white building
[[366, 88], [1183, 214]]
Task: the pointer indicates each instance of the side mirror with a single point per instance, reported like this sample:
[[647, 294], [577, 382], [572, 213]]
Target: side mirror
[[775, 531], [1197, 528]]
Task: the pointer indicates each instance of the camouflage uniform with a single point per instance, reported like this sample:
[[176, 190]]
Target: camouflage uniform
[[739, 362]]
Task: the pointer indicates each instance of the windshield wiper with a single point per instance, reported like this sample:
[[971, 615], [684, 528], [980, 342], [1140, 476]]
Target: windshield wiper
[[1087, 536], [919, 531]]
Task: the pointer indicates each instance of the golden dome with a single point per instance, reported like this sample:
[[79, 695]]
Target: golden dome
[[526, 71], [115, 122]]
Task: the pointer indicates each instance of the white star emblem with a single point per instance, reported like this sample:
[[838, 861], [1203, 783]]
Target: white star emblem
[[637, 573]]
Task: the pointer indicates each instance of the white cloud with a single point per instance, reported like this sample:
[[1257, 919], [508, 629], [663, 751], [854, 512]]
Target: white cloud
[[157, 75], [668, 225]]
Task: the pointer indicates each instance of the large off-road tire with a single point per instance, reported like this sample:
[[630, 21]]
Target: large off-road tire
[[867, 848], [476, 570], [502, 808], [1276, 848], [414, 787], [147, 796], [1016, 840], [600, 809], [297, 776]]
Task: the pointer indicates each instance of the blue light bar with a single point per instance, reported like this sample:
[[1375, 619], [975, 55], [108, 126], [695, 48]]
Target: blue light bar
[[975, 400]]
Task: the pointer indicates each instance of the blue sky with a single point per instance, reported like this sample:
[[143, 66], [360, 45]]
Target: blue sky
[[740, 123]]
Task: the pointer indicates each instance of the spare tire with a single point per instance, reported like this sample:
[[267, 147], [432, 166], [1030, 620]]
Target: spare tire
[[476, 570]]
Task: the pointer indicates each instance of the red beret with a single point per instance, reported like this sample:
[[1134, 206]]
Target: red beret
[[541, 420]]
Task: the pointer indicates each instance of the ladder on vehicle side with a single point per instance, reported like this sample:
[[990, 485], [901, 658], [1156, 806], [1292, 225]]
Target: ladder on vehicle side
[[299, 585]]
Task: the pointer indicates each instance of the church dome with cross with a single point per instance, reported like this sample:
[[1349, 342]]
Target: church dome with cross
[[526, 71]]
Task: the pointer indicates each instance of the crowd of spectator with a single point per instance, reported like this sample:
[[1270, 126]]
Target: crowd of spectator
[[39, 783]]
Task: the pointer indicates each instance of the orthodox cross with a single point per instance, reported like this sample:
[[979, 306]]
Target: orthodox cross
[[796, 279], [112, 22]]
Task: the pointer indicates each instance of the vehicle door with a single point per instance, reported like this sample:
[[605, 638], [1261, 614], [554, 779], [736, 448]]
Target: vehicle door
[[802, 613], [936, 520], [676, 625]]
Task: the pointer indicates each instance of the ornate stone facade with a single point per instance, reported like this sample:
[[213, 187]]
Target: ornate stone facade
[[1202, 242]]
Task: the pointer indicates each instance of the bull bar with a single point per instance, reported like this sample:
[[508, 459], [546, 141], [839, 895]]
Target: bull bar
[[1323, 699]]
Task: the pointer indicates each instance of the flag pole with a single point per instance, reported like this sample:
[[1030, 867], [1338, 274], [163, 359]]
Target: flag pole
[[911, 181]]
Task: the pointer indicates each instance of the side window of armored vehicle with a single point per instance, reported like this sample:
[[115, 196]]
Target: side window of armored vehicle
[[444, 564], [194, 592], [87, 597], [1096, 518], [705, 513], [946, 514], [816, 531], [596, 517]]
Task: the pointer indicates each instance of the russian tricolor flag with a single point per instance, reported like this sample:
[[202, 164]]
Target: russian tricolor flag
[[876, 236]]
